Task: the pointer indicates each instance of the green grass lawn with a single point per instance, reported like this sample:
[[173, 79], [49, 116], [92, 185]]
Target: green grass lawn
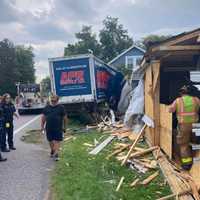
[[80, 176]]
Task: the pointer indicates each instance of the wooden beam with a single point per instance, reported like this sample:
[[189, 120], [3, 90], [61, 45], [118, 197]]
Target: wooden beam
[[156, 101], [98, 148], [166, 130], [134, 144], [183, 38], [175, 195], [177, 48], [137, 154], [150, 178], [176, 183]]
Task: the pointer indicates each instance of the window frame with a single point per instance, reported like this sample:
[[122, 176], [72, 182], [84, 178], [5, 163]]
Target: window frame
[[134, 58]]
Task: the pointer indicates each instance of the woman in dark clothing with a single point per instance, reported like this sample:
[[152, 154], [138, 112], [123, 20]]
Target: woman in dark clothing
[[9, 111]]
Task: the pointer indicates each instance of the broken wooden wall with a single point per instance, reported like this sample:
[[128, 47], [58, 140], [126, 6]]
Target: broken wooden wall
[[152, 101], [166, 130]]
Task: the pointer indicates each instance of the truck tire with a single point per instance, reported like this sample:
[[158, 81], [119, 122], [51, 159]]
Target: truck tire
[[21, 112]]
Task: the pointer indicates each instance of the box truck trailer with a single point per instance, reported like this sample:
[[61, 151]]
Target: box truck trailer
[[81, 80]]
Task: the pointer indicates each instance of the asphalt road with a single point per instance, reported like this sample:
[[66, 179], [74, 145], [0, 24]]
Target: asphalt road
[[25, 176]]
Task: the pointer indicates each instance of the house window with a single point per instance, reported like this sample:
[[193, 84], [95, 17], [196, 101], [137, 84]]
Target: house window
[[133, 61]]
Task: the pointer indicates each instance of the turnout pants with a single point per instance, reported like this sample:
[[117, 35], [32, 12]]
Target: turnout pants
[[184, 138], [7, 137]]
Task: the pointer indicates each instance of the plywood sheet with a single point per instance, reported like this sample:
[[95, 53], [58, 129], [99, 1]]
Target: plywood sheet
[[149, 109], [156, 100], [166, 130], [152, 101]]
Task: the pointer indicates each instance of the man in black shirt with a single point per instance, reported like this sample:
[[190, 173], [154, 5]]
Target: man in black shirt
[[52, 121]]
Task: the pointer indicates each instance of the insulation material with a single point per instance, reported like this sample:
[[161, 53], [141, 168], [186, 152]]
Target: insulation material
[[136, 106], [125, 98]]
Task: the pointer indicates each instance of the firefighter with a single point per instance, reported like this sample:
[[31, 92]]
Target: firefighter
[[186, 108]]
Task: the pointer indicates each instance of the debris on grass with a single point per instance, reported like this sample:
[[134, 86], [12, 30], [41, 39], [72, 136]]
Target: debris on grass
[[135, 182], [68, 138], [150, 178], [98, 148], [119, 184]]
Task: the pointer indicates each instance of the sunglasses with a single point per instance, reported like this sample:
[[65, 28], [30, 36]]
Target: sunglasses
[[53, 101]]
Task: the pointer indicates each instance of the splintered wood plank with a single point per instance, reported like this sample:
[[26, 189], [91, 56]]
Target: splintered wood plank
[[166, 130], [149, 109], [150, 178], [195, 170], [175, 182], [134, 183], [120, 183], [98, 148], [156, 100], [178, 40]]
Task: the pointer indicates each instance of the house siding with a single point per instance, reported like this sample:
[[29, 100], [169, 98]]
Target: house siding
[[122, 59]]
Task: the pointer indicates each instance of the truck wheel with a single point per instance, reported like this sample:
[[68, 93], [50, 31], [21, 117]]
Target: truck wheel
[[21, 112]]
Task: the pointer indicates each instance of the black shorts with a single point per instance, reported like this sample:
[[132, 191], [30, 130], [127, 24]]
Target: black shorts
[[57, 136]]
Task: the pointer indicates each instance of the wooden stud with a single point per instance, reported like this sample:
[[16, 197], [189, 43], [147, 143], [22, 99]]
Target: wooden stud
[[178, 48], [150, 178], [156, 102], [134, 183], [117, 151], [120, 183], [174, 195], [137, 154], [180, 39], [134, 144]]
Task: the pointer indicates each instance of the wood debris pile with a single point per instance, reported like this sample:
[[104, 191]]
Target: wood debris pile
[[140, 158]]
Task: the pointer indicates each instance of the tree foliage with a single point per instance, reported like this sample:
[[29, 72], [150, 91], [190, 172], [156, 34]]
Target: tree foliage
[[16, 65], [86, 41], [25, 64], [113, 39]]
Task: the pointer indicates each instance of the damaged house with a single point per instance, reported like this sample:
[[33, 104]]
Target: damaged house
[[168, 66]]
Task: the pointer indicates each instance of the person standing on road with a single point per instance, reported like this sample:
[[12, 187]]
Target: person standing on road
[[53, 120], [2, 128], [9, 111]]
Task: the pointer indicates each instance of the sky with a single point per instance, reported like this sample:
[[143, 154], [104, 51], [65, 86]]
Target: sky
[[49, 25]]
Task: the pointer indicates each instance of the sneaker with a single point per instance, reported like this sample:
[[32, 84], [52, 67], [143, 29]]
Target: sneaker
[[51, 153], [3, 159], [12, 148], [56, 158], [5, 150]]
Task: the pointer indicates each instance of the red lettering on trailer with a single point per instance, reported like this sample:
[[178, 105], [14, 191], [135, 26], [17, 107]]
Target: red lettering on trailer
[[102, 79], [72, 77]]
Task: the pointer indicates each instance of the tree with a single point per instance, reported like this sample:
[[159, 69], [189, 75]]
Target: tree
[[113, 38], [86, 41], [16, 65], [45, 86], [25, 64], [9, 74]]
